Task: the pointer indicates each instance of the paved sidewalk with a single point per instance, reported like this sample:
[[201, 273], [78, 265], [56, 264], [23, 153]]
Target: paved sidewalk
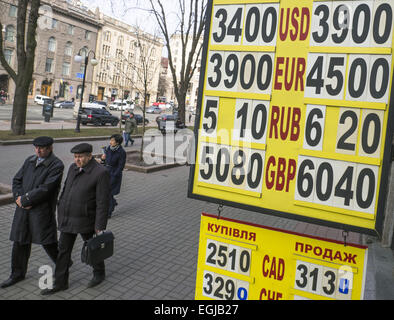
[[157, 231]]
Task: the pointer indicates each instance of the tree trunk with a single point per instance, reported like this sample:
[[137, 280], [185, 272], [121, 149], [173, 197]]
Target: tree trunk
[[181, 98], [143, 125], [18, 120], [182, 108]]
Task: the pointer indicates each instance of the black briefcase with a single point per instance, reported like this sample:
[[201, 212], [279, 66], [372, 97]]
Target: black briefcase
[[98, 248]]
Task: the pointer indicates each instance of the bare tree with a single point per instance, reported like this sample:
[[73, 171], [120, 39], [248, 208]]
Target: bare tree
[[140, 70], [192, 17], [26, 46], [144, 70], [183, 18]]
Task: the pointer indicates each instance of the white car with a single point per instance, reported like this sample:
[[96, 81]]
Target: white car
[[39, 99], [121, 106]]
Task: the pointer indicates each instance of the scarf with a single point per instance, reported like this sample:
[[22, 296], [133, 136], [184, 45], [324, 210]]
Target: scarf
[[114, 148]]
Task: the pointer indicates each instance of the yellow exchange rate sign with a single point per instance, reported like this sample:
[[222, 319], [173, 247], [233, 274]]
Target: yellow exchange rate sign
[[295, 110], [243, 261]]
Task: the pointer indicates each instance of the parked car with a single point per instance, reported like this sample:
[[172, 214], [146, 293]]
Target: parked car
[[98, 117], [120, 105], [88, 105], [137, 117], [64, 104], [163, 122], [103, 103], [153, 110], [39, 99]]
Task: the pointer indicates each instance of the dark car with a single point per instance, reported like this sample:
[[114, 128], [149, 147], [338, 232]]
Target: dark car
[[137, 117], [163, 120], [98, 117]]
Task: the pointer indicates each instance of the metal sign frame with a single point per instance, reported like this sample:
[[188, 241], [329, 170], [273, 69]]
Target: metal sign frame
[[386, 161]]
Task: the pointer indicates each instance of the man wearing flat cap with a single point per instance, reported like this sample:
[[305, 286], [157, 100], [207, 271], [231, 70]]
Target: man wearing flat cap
[[83, 209], [35, 188]]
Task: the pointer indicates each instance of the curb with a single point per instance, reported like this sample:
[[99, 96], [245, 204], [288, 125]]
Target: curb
[[153, 168], [6, 196], [57, 140]]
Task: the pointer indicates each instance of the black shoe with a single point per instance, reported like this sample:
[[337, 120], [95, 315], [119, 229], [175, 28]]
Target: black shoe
[[96, 281], [47, 292], [11, 281]]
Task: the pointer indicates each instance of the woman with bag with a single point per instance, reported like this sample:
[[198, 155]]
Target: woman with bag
[[115, 159]]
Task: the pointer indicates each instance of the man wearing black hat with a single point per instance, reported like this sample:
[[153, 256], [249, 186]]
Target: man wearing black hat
[[35, 188], [83, 208]]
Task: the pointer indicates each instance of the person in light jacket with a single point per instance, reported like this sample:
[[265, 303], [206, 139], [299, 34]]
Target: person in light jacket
[[130, 127]]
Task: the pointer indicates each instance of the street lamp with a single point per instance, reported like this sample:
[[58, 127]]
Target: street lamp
[[78, 58]]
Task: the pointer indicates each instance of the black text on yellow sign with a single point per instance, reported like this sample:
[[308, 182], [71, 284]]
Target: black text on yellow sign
[[295, 108], [242, 261]]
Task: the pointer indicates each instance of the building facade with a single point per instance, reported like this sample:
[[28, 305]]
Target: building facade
[[124, 54], [177, 53], [65, 28]]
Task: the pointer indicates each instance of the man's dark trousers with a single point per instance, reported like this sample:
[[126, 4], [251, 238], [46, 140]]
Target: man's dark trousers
[[66, 244], [21, 255]]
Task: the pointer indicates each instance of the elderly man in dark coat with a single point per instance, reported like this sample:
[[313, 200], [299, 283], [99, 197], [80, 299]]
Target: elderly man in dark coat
[[82, 209], [35, 187]]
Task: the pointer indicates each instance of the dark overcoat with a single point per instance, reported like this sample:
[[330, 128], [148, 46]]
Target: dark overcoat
[[38, 186], [84, 201], [115, 162]]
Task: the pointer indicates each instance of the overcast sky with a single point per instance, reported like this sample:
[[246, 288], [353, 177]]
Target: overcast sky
[[134, 12]]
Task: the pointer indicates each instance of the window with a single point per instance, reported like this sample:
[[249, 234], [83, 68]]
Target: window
[[51, 44], [68, 51], [13, 11], [84, 52], [8, 55], [79, 91], [106, 50], [107, 36], [119, 53], [54, 23], [87, 35], [66, 69], [31, 87], [10, 33], [70, 29], [49, 65], [120, 41]]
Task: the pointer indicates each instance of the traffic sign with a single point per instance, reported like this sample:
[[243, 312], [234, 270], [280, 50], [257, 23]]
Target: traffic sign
[[243, 261], [296, 116]]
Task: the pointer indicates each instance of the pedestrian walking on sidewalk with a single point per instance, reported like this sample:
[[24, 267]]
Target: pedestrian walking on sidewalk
[[35, 188], [82, 209], [130, 127], [115, 160]]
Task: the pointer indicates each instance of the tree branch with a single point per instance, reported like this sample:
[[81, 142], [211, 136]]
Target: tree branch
[[3, 61]]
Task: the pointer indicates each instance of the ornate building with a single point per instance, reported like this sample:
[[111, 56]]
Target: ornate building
[[125, 53], [65, 28]]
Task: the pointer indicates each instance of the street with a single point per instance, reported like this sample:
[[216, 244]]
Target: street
[[63, 116], [156, 230]]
